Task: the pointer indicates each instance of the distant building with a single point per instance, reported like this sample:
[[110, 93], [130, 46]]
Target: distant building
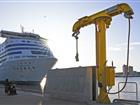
[[130, 70], [124, 70]]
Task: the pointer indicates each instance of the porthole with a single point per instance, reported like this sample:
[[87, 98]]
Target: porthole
[[33, 67], [24, 68]]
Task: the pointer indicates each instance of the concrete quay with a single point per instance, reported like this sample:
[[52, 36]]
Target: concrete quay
[[71, 86], [37, 100], [30, 98]]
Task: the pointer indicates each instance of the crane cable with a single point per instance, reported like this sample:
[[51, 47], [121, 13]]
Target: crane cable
[[127, 64], [75, 34], [127, 61]]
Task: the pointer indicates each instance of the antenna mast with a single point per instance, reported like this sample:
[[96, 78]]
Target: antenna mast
[[22, 28]]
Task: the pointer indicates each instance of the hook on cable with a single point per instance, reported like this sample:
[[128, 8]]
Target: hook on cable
[[75, 34]]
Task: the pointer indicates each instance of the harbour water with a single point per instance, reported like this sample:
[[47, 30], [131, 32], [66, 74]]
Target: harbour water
[[130, 87]]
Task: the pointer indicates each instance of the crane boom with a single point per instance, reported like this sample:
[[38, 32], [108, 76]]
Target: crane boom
[[102, 20], [109, 13]]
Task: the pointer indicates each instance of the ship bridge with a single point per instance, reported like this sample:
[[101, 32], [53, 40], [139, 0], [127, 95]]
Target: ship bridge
[[9, 34]]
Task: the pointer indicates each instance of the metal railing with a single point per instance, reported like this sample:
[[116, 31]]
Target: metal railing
[[126, 91], [126, 102]]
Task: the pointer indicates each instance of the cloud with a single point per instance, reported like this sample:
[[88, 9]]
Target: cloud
[[135, 44], [123, 46], [114, 48], [131, 44]]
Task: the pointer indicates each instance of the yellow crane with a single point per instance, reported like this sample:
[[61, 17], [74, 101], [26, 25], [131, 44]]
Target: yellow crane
[[102, 20]]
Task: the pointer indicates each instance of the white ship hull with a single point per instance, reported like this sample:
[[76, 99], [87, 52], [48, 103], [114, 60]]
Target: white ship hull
[[26, 70]]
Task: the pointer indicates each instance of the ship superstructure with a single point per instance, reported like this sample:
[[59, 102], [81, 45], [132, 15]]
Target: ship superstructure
[[24, 57]]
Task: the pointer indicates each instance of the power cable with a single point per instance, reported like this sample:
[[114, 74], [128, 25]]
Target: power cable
[[127, 64]]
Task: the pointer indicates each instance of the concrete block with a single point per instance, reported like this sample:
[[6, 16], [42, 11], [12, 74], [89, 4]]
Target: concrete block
[[76, 84]]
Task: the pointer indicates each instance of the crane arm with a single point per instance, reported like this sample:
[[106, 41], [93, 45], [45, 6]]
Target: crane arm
[[107, 14], [102, 21]]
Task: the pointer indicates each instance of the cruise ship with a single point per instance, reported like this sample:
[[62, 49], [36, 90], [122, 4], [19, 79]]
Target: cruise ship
[[24, 57]]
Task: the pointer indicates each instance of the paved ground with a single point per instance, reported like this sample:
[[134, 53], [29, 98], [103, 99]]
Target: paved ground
[[30, 98], [25, 98], [35, 100]]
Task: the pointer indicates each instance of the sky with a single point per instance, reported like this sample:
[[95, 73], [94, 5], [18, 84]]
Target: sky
[[53, 20]]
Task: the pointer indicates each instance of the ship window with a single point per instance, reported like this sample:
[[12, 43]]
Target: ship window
[[39, 52], [33, 67], [24, 68], [23, 48], [2, 60], [16, 56], [11, 53], [28, 41], [10, 57], [19, 44]]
